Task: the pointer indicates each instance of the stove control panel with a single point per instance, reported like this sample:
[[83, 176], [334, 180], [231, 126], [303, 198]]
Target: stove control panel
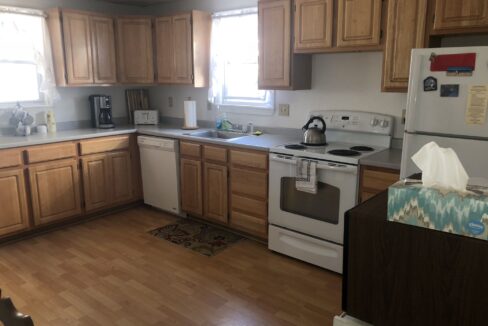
[[357, 121]]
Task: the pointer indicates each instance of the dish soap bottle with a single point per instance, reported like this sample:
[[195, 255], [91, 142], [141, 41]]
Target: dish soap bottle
[[219, 118], [51, 122]]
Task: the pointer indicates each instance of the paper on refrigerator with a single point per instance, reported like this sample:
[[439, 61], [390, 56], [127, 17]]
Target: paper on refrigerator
[[477, 105]]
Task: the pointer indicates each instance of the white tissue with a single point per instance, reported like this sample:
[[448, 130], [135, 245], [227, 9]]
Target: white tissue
[[441, 168]]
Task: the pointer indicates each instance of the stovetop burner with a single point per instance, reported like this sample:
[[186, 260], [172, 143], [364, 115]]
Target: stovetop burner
[[295, 146], [362, 148], [344, 152]]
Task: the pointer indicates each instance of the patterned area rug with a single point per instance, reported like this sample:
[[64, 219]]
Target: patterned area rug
[[202, 238]]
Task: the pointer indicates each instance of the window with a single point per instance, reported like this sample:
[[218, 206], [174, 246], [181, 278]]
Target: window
[[234, 64], [25, 59]]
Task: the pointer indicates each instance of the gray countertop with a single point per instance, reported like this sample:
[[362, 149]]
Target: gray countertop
[[7, 141], [389, 158], [263, 142]]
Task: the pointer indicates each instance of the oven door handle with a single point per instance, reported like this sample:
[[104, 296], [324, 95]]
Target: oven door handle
[[337, 167]]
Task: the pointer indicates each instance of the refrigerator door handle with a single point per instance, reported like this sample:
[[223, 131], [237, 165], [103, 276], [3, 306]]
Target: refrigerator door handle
[[413, 82]]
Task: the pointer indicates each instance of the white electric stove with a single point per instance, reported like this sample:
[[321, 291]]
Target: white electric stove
[[310, 227]]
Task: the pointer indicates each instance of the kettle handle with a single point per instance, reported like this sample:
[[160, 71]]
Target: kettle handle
[[312, 119]]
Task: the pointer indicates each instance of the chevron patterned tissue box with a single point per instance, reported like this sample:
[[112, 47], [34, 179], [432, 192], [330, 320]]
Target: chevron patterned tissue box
[[448, 211]]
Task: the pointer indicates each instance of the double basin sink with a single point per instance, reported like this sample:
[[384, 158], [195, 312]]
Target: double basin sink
[[217, 134]]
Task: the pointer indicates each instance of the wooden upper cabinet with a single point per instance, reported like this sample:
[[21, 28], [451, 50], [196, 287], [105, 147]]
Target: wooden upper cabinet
[[274, 43], [164, 49], [313, 25], [78, 48], [405, 31], [55, 190], [183, 48], [103, 49], [183, 70], [278, 67], [358, 23], [460, 16], [13, 200], [135, 50], [83, 46]]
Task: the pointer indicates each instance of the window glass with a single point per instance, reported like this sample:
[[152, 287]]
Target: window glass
[[234, 63]]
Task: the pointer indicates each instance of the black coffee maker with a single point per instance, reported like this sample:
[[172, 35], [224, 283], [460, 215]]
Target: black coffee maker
[[101, 111]]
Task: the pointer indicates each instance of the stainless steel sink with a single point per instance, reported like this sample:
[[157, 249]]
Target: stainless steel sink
[[217, 134]]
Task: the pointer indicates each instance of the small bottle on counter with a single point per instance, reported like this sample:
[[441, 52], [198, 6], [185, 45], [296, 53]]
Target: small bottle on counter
[[51, 121]]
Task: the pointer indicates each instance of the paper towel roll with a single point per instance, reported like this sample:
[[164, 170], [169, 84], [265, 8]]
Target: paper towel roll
[[190, 114]]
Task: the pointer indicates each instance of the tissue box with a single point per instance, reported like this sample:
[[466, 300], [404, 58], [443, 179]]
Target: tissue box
[[448, 211]]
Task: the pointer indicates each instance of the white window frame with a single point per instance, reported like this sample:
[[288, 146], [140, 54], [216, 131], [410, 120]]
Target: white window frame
[[243, 105]]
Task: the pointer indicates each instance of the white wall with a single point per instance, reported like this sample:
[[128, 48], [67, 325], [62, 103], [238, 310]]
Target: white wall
[[339, 81], [73, 102]]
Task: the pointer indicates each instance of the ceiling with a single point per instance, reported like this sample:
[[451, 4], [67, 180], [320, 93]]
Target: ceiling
[[141, 3]]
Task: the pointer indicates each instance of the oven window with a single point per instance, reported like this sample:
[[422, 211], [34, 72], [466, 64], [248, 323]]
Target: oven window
[[323, 206]]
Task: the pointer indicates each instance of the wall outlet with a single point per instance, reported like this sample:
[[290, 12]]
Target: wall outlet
[[284, 110], [170, 101]]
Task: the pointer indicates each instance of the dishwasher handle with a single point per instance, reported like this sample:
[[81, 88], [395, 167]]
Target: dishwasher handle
[[321, 165]]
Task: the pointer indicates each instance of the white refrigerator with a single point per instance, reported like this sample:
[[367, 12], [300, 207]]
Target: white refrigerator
[[459, 122]]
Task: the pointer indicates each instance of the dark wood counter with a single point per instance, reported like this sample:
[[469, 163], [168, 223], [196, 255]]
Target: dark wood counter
[[401, 275]]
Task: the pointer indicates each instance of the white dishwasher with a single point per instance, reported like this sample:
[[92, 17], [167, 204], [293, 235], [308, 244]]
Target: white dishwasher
[[160, 172]]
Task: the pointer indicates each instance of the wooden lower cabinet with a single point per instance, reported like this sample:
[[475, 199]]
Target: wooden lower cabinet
[[107, 179], [249, 192], [96, 181], [225, 185], [14, 215], [374, 180], [121, 178], [55, 190], [215, 192], [191, 186]]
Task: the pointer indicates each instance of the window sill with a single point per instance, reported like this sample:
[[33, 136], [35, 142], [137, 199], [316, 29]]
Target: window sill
[[247, 110]]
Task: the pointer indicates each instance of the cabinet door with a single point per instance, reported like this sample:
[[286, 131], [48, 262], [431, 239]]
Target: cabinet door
[[215, 192], [120, 177], [191, 186], [135, 50], [274, 43], [55, 190], [405, 31], [15, 215], [313, 25], [77, 47], [358, 22], [183, 68], [457, 14], [164, 49], [103, 45], [96, 181]]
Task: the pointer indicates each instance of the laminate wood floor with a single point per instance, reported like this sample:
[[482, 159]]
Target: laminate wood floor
[[110, 271]]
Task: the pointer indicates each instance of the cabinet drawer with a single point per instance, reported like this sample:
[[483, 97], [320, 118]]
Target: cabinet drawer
[[10, 158], [190, 149], [248, 223], [379, 180], [255, 160], [249, 183], [249, 205], [52, 152], [106, 144], [214, 153]]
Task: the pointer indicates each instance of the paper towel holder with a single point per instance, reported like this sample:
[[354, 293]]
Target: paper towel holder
[[190, 112]]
